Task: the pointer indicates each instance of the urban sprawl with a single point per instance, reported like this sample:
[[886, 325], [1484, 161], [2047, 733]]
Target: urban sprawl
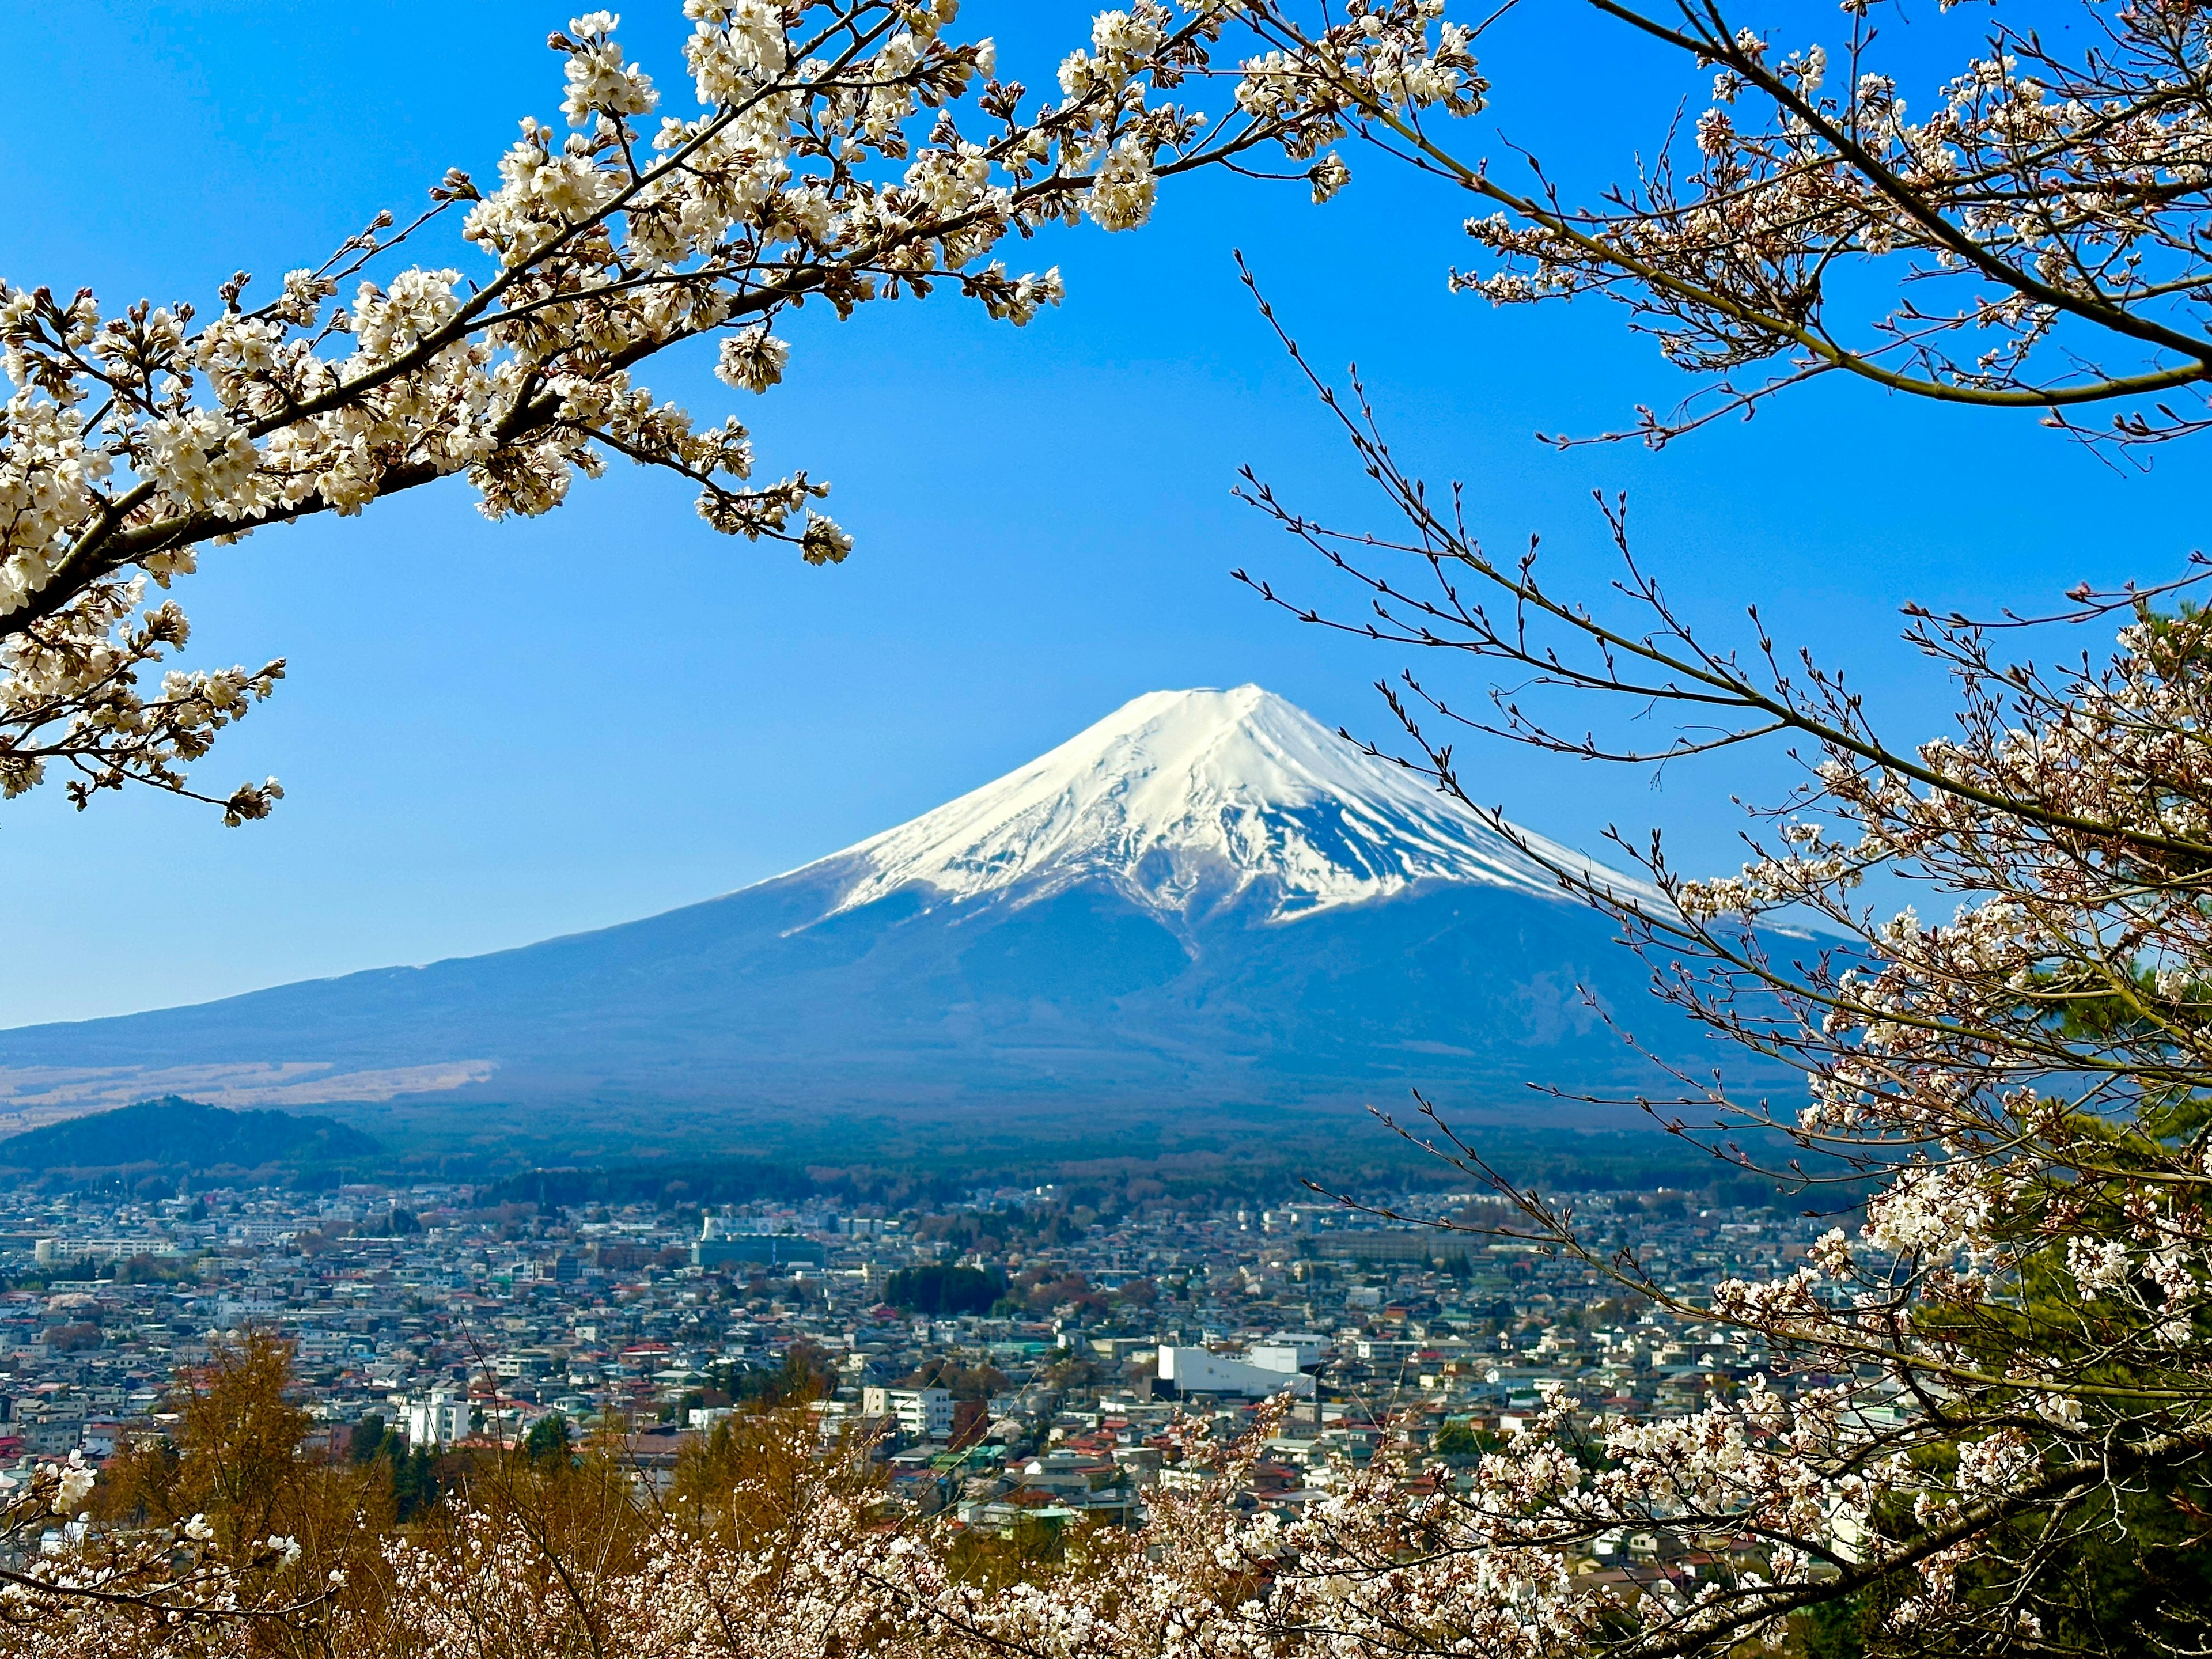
[[460, 1324]]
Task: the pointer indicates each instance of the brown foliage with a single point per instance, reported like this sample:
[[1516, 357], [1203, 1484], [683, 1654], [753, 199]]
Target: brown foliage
[[234, 1455], [746, 1482]]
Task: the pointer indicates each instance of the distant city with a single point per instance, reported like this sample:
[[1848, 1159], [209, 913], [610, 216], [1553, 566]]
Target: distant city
[[1015, 1354]]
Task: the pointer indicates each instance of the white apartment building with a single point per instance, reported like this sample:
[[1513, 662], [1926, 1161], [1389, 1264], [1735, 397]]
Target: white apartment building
[[438, 1420], [922, 1413]]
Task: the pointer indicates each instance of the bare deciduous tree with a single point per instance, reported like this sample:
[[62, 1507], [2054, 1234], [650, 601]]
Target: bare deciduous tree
[[1996, 1435], [2036, 240]]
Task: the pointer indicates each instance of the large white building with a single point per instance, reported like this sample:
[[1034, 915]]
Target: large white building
[[724, 1242], [1287, 1351], [1201, 1370]]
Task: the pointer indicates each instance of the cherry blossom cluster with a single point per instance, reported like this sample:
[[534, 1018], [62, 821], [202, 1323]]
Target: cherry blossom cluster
[[2002, 1100], [2005, 1096], [80, 1589], [2027, 231], [1387, 1563], [836, 151]]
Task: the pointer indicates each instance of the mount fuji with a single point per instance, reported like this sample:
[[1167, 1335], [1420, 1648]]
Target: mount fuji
[[1205, 898]]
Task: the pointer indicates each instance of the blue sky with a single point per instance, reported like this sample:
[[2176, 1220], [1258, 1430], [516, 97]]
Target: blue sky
[[493, 733]]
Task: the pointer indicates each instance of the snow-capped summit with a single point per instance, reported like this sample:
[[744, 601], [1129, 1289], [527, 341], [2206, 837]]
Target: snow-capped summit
[[1181, 800]]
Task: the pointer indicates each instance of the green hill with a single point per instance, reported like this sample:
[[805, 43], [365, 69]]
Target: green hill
[[184, 1134]]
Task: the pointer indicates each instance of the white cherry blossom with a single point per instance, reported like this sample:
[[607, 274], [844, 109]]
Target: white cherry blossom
[[841, 152]]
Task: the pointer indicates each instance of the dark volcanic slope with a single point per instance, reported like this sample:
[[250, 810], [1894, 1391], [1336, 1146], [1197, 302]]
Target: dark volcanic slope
[[1083, 993]]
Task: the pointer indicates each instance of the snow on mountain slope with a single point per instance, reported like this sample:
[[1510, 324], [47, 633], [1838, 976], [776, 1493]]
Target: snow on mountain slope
[[1181, 799]]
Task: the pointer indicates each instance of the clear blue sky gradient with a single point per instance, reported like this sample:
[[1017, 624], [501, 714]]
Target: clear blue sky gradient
[[495, 734]]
